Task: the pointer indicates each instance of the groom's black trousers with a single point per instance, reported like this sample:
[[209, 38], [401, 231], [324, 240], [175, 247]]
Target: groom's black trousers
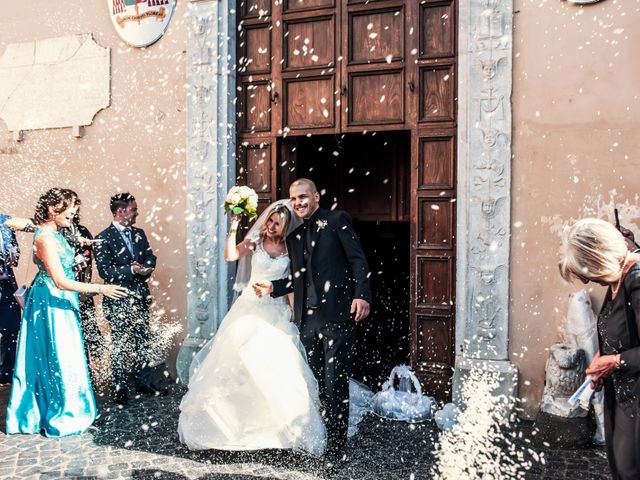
[[329, 348]]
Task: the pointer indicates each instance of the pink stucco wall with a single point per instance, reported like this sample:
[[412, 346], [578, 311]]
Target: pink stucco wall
[[576, 117], [135, 145]]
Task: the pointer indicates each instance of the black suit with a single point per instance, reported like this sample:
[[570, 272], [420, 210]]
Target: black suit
[[329, 271], [10, 313], [129, 316]]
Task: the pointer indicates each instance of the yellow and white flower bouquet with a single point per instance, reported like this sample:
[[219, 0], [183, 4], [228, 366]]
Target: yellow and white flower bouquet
[[242, 200]]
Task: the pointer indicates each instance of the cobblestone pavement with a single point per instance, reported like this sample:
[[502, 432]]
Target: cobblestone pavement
[[140, 442]]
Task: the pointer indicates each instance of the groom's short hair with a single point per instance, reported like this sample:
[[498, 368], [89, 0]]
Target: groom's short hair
[[305, 181], [120, 200]]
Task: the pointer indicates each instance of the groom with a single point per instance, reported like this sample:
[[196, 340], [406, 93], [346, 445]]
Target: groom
[[330, 283]]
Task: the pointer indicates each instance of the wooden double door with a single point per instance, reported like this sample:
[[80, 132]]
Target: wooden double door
[[345, 67]]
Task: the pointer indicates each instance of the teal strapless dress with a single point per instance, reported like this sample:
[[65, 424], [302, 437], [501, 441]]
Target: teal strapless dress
[[51, 391]]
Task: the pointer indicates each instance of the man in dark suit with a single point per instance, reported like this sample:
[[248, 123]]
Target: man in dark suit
[[330, 284], [10, 312], [124, 257]]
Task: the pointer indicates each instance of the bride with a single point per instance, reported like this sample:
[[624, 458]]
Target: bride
[[250, 387]]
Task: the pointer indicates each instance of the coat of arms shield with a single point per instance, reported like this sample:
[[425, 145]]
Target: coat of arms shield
[[140, 22]]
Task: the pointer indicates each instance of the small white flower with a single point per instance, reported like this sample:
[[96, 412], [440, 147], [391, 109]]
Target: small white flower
[[321, 224]]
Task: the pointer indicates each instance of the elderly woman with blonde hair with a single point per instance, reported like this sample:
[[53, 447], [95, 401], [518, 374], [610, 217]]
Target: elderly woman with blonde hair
[[595, 251]]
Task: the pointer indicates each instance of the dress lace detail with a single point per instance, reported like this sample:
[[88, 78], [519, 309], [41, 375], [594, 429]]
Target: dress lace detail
[[265, 267]]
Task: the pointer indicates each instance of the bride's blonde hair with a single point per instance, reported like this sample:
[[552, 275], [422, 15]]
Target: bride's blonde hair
[[285, 218]]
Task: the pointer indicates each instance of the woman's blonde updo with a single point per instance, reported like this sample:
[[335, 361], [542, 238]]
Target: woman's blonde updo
[[592, 250]]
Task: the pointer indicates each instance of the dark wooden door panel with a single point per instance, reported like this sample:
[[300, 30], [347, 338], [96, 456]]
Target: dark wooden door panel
[[436, 334], [254, 8], [255, 107], [256, 169], [437, 29], [310, 49], [376, 98], [258, 166], [309, 103], [373, 71], [434, 283], [256, 50], [376, 36], [437, 93], [300, 5], [436, 163], [435, 227], [435, 378], [309, 43]]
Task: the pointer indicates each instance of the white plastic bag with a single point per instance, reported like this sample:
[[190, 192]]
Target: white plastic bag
[[582, 332], [403, 404], [360, 398]]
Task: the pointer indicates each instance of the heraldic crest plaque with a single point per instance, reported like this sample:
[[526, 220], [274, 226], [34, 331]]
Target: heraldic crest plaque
[[140, 22]]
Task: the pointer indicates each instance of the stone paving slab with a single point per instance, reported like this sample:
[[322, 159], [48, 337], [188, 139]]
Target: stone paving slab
[[140, 441]]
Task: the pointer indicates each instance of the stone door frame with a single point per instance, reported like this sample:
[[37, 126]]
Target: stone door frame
[[485, 39]]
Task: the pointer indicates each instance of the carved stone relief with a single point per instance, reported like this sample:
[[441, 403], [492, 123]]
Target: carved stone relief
[[484, 189], [210, 167]]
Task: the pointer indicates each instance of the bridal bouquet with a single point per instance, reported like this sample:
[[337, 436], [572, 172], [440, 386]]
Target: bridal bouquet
[[242, 201]]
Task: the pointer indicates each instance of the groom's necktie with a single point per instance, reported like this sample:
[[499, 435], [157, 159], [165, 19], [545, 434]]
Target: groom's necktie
[[127, 239], [311, 297]]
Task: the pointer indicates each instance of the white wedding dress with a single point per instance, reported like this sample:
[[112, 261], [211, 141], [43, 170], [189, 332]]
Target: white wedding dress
[[250, 386]]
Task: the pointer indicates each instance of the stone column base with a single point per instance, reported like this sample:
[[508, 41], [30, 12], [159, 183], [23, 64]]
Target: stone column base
[[507, 379], [190, 346]]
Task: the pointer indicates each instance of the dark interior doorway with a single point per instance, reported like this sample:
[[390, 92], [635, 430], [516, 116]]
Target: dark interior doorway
[[368, 176]]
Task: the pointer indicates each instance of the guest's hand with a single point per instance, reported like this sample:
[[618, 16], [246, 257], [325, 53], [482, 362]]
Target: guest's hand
[[85, 242], [361, 309], [601, 367], [113, 291], [262, 288], [141, 269]]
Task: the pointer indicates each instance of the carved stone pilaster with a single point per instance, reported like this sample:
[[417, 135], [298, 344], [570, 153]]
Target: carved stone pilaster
[[484, 188], [210, 167]]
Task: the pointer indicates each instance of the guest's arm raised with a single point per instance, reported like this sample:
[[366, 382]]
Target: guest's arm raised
[[46, 249], [20, 224]]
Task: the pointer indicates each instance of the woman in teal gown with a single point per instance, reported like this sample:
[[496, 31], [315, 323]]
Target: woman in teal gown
[[51, 391]]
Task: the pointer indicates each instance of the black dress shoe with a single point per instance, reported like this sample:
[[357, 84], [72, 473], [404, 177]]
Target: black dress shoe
[[122, 397], [334, 465], [151, 389], [334, 459]]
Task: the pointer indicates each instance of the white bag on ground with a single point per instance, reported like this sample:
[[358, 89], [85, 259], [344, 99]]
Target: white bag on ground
[[403, 404], [446, 417]]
